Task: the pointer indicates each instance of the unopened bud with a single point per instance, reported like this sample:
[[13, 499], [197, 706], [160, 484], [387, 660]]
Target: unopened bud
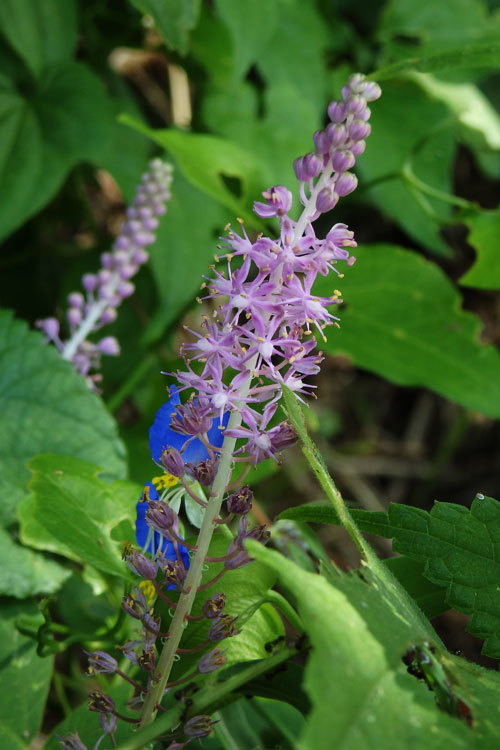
[[211, 661], [173, 462], [198, 726]]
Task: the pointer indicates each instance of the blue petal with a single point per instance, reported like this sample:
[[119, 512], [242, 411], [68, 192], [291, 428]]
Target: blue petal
[[161, 436], [142, 531]]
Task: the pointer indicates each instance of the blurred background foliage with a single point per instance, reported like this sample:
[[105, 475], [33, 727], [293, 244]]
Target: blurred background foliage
[[231, 93]]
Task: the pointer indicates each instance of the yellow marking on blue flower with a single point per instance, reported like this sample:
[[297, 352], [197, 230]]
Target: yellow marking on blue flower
[[165, 481], [148, 589]]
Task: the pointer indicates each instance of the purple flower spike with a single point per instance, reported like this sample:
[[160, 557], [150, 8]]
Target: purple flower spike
[[106, 289]]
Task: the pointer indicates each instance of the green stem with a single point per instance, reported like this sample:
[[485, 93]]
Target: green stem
[[286, 609], [410, 177], [205, 699], [194, 575]]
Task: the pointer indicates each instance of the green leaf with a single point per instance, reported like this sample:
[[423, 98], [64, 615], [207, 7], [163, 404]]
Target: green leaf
[[404, 322], [400, 132], [373, 522], [481, 55], [359, 636], [46, 406], [410, 574], [62, 119], [25, 573], [250, 36], [478, 120], [484, 236], [72, 512], [41, 33], [205, 160], [460, 550], [174, 19], [295, 54], [24, 677]]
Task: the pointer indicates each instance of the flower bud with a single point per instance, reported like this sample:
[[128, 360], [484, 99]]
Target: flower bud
[[174, 572], [161, 517], [141, 565], [173, 462], [89, 282], [50, 327], [336, 134], [321, 141], [358, 148], [342, 160], [240, 502], [109, 345], [327, 199], [337, 112], [74, 316], [359, 129], [198, 726], [346, 183], [372, 91], [76, 299]]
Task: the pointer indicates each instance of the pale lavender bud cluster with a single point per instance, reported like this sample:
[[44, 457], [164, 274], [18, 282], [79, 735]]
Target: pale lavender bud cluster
[[338, 145], [106, 289], [267, 311]]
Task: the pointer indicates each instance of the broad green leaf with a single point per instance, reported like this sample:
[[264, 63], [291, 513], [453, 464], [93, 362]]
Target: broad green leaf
[[359, 636], [42, 33], [410, 574], [484, 236], [174, 19], [80, 608], [284, 685], [405, 126], [25, 573], [403, 321], [183, 251], [481, 55], [479, 122], [460, 549], [296, 52], [47, 128], [9, 739], [423, 26], [24, 677], [87, 724], [250, 36], [77, 511], [373, 522], [206, 159], [46, 406]]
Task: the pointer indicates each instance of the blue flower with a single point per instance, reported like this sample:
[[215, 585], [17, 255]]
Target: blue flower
[[161, 435]]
